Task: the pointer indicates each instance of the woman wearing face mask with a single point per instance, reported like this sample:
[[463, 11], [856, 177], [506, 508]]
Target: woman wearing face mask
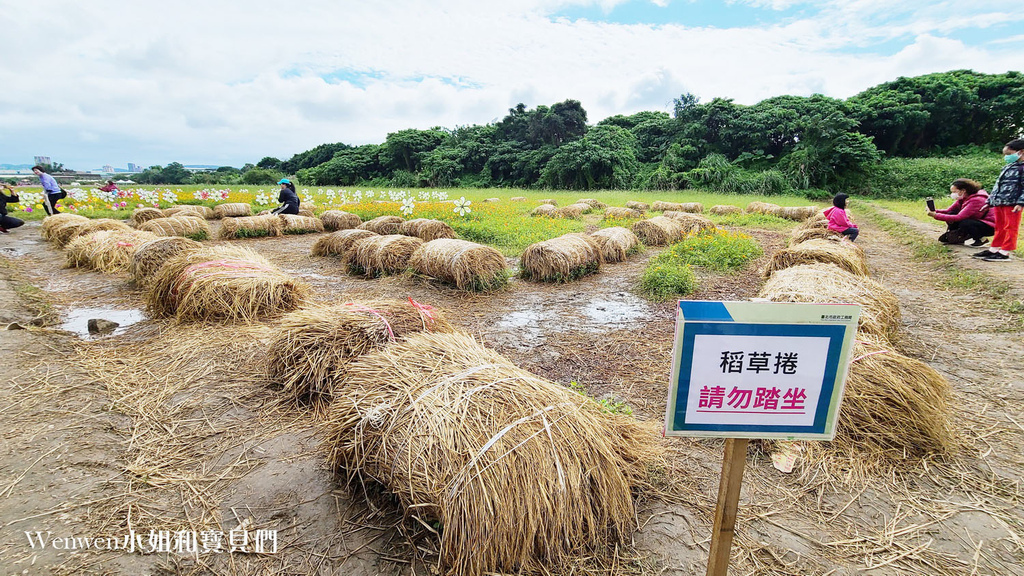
[[969, 217], [1007, 201]]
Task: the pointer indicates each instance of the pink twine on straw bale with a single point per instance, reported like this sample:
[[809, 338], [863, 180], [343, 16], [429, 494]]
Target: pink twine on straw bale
[[425, 310], [361, 308], [863, 356]]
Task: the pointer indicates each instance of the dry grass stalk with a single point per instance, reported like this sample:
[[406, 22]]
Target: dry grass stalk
[[622, 213], [723, 209], [150, 256], [51, 222], [223, 283], [186, 226], [426, 229], [251, 227], [338, 220], [545, 210], [107, 250], [383, 225], [141, 215], [467, 265], [379, 255], [844, 254], [204, 211], [573, 211], [292, 224], [519, 198], [660, 206], [522, 473], [692, 223], [799, 235], [561, 259], [658, 231], [63, 233], [692, 207], [592, 202], [307, 212], [637, 205], [798, 213], [313, 345], [341, 243], [232, 210], [764, 208], [616, 243], [550, 201], [828, 284]]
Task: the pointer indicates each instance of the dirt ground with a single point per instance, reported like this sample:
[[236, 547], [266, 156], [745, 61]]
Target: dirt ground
[[172, 428]]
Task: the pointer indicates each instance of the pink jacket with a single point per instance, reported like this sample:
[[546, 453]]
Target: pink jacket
[[970, 207], [837, 219]]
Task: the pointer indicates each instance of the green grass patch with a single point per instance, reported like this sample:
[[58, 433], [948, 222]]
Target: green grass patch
[[765, 221], [251, 233], [198, 236], [667, 277], [719, 250], [609, 405]]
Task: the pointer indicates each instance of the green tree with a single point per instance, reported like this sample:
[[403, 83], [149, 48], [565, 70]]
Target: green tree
[[312, 157], [604, 158], [261, 176], [405, 149], [269, 163], [348, 167]]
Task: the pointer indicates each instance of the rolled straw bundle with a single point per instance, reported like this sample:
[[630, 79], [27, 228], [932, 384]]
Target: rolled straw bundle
[[592, 202], [691, 207], [692, 223], [573, 211], [292, 224], [764, 208], [379, 255], [550, 201], [621, 213], [338, 220], [426, 229], [222, 283], [640, 206], [660, 206], [799, 235], [383, 225], [843, 254], [51, 222], [797, 213], [723, 209], [492, 199], [658, 231], [107, 250], [203, 211], [306, 212], [63, 233], [616, 243], [185, 226], [828, 284], [545, 210], [561, 259], [151, 255], [251, 227], [519, 198], [232, 210], [467, 265], [341, 243], [141, 215], [523, 473]]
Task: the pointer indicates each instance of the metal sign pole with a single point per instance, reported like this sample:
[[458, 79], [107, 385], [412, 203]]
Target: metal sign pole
[[728, 501]]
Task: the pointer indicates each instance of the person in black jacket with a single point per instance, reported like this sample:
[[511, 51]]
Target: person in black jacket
[[288, 198], [8, 222]]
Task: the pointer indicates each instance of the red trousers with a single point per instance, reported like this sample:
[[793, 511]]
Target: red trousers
[[1007, 226]]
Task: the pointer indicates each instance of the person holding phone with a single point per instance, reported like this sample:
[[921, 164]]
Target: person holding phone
[[7, 196], [969, 217]]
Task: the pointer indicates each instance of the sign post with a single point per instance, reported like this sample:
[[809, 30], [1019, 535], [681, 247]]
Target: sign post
[[747, 370]]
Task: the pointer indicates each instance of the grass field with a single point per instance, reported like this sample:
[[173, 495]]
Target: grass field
[[916, 210]]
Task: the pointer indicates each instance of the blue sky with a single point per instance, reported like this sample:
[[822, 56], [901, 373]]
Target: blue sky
[[212, 83]]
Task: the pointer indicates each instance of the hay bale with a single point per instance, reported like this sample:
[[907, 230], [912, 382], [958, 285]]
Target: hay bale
[[545, 210], [828, 284], [151, 255], [106, 250], [314, 345], [523, 473], [797, 213], [341, 243], [723, 209], [692, 223], [844, 254], [306, 212], [379, 255], [51, 222], [63, 233], [142, 215], [204, 211], [660, 206], [593, 203], [621, 213], [292, 224], [764, 208], [561, 259], [338, 220], [799, 235], [232, 210], [222, 284], [383, 225], [550, 201], [658, 231], [492, 199], [466, 265], [573, 211], [616, 243], [426, 229], [185, 226], [251, 227], [640, 206], [519, 198]]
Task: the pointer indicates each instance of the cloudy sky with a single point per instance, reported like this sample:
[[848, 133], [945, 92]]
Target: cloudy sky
[[225, 83]]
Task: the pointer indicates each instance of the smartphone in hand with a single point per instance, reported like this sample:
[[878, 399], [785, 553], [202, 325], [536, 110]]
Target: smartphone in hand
[[931, 203]]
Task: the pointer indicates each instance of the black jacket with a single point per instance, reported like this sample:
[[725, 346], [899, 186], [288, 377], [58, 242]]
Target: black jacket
[[290, 200], [4, 199]]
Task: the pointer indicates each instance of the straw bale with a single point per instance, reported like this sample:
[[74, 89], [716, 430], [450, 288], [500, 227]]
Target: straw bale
[[798, 213], [383, 225], [106, 250], [307, 212], [524, 474], [341, 243], [812, 223], [636, 205], [151, 255], [548, 201], [561, 259], [222, 283], [658, 231], [467, 265], [592, 202], [141, 215], [251, 227], [339, 220], [692, 223], [204, 211], [799, 235], [232, 210], [63, 233], [519, 198], [844, 254], [186, 226], [616, 212], [292, 224], [51, 222], [616, 243], [660, 206], [828, 284], [545, 210], [386, 254], [426, 229], [492, 199], [723, 209], [764, 208], [313, 346], [573, 211]]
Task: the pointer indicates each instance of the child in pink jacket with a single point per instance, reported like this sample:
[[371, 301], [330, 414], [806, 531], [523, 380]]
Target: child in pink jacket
[[838, 220]]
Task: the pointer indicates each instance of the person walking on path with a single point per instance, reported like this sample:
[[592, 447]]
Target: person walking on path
[[51, 190], [838, 221], [969, 217], [1007, 200]]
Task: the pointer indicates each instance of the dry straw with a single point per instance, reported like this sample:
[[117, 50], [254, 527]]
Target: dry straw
[[545, 210], [561, 259], [799, 235], [307, 212], [523, 474], [341, 243], [382, 225], [380, 255], [844, 254], [622, 213], [232, 210], [313, 346], [426, 229], [466, 265], [251, 227], [660, 206], [798, 213], [550, 201], [764, 208], [141, 215], [222, 283], [658, 231], [151, 255], [828, 284], [292, 224], [51, 222], [616, 243], [338, 220], [592, 202], [572, 211], [106, 250], [188, 227], [203, 211], [66, 231], [519, 198], [692, 223], [636, 205], [724, 209]]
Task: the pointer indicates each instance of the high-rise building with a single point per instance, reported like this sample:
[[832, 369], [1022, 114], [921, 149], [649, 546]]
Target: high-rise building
[[42, 160], [108, 169], [132, 167]]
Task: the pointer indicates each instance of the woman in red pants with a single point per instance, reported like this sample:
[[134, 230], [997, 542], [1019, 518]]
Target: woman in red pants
[[1007, 200]]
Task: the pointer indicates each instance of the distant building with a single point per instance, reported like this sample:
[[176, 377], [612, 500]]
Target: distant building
[[108, 169], [134, 167], [42, 160]]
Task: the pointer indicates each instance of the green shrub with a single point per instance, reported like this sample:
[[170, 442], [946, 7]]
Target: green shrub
[[920, 177], [720, 250]]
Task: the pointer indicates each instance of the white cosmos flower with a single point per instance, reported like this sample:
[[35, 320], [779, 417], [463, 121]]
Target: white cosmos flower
[[407, 206], [462, 206]]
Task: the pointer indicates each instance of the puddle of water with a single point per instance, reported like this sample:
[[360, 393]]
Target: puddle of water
[[603, 312], [522, 318], [77, 320], [12, 251]]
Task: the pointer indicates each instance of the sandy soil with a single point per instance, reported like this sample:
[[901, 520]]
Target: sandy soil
[[164, 427]]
